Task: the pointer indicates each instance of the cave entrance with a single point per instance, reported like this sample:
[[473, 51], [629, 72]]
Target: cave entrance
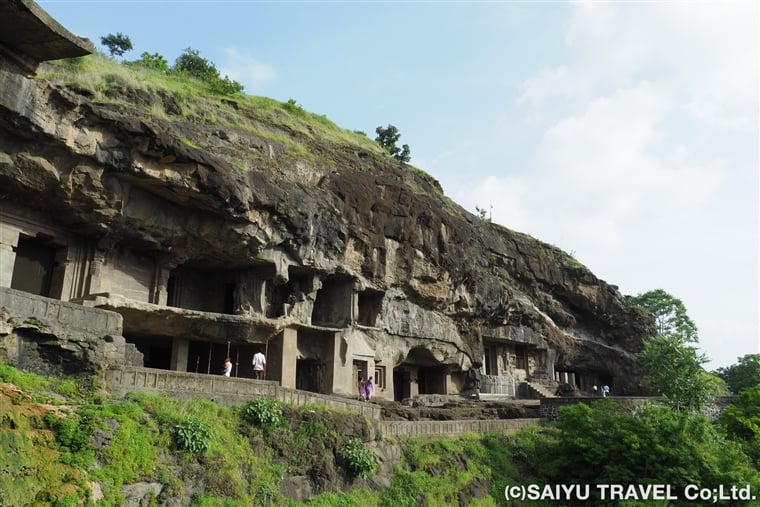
[[34, 266], [432, 380], [419, 373], [360, 372], [156, 350], [310, 375], [202, 289], [282, 298], [332, 307], [370, 304]]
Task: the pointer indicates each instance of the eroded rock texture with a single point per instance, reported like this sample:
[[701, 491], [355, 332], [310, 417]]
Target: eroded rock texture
[[237, 187]]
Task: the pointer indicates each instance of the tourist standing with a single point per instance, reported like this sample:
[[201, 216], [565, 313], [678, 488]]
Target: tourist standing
[[259, 365]]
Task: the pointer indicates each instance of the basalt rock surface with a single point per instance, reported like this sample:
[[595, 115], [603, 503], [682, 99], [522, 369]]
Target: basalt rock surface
[[221, 181]]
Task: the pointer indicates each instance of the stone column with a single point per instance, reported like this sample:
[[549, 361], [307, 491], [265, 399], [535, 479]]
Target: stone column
[[180, 352], [8, 241], [289, 352], [159, 292], [95, 280]]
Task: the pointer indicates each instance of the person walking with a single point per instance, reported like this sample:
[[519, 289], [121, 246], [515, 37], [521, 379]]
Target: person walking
[[259, 365], [227, 370]]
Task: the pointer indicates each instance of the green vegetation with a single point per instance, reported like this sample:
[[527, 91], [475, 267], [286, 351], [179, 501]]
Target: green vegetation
[[653, 445], [194, 436], [359, 460], [387, 138], [190, 63], [140, 85], [670, 314], [51, 457], [745, 374], [266, 412], [117, 44], [668, 360]]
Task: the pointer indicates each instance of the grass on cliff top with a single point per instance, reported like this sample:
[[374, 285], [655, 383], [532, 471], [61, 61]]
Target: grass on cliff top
[[264, 116]]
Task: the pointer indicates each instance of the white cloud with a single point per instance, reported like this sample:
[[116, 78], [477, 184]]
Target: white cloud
[[247, 71], [647, 164]]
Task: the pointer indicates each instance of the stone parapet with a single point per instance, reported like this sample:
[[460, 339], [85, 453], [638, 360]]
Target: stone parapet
[[223, 390], [434, 429], [50, 312]]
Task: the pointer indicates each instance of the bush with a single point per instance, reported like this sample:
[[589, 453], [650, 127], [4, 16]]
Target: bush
[[193, 435], [264, 412], [359, 460], [152, 61], [192, 64]]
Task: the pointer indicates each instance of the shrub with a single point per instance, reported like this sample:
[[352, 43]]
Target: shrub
[[264, 412], [193, 435], [152, 61], [359, 460]]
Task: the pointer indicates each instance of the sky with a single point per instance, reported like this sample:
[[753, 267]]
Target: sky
[[625, 133]]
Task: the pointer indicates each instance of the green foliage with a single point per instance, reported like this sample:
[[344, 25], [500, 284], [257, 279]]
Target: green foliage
[[654, 445], [28, 382], [191, 63], [483, 214], [117, 44], [292, 106], [675, 369], [669, 312], [445, 472], [153, 61], [387, 138], [359, 460], [742, 421], [745, 374], [193, 435], [353, 498], [668, 361], [266, 412]]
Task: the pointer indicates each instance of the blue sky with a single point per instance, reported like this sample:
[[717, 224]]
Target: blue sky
[[625, 133]]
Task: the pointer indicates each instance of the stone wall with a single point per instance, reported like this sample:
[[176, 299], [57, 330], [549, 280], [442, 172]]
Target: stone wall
[[223, 390], [435, 429], [73, 317]]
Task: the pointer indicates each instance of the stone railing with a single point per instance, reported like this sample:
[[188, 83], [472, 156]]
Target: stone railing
[[224, 390], [435, 429], [60, 314], [498, 384]]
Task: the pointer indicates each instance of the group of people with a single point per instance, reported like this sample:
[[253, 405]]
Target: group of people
[[365, 388], [605, 390], [259, 364]]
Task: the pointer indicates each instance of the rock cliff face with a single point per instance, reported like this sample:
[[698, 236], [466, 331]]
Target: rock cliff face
[[250, 185]]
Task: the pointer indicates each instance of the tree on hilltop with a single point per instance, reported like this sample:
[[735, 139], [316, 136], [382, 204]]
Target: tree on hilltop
[[117, 44], [387, 138]]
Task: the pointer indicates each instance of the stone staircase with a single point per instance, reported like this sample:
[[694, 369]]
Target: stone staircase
[[535, 390]]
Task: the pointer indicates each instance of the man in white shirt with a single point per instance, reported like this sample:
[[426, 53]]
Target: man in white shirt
[[259, 365]]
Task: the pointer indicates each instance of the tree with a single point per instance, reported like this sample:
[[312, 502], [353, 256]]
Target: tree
[[387, 138], [668, 361], [606, 444], [742, 420], [675, 369], [117, 44], [742, 375], [669, 312], [192, 64]]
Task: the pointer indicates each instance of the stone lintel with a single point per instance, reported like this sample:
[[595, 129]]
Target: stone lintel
[[29, 36]]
